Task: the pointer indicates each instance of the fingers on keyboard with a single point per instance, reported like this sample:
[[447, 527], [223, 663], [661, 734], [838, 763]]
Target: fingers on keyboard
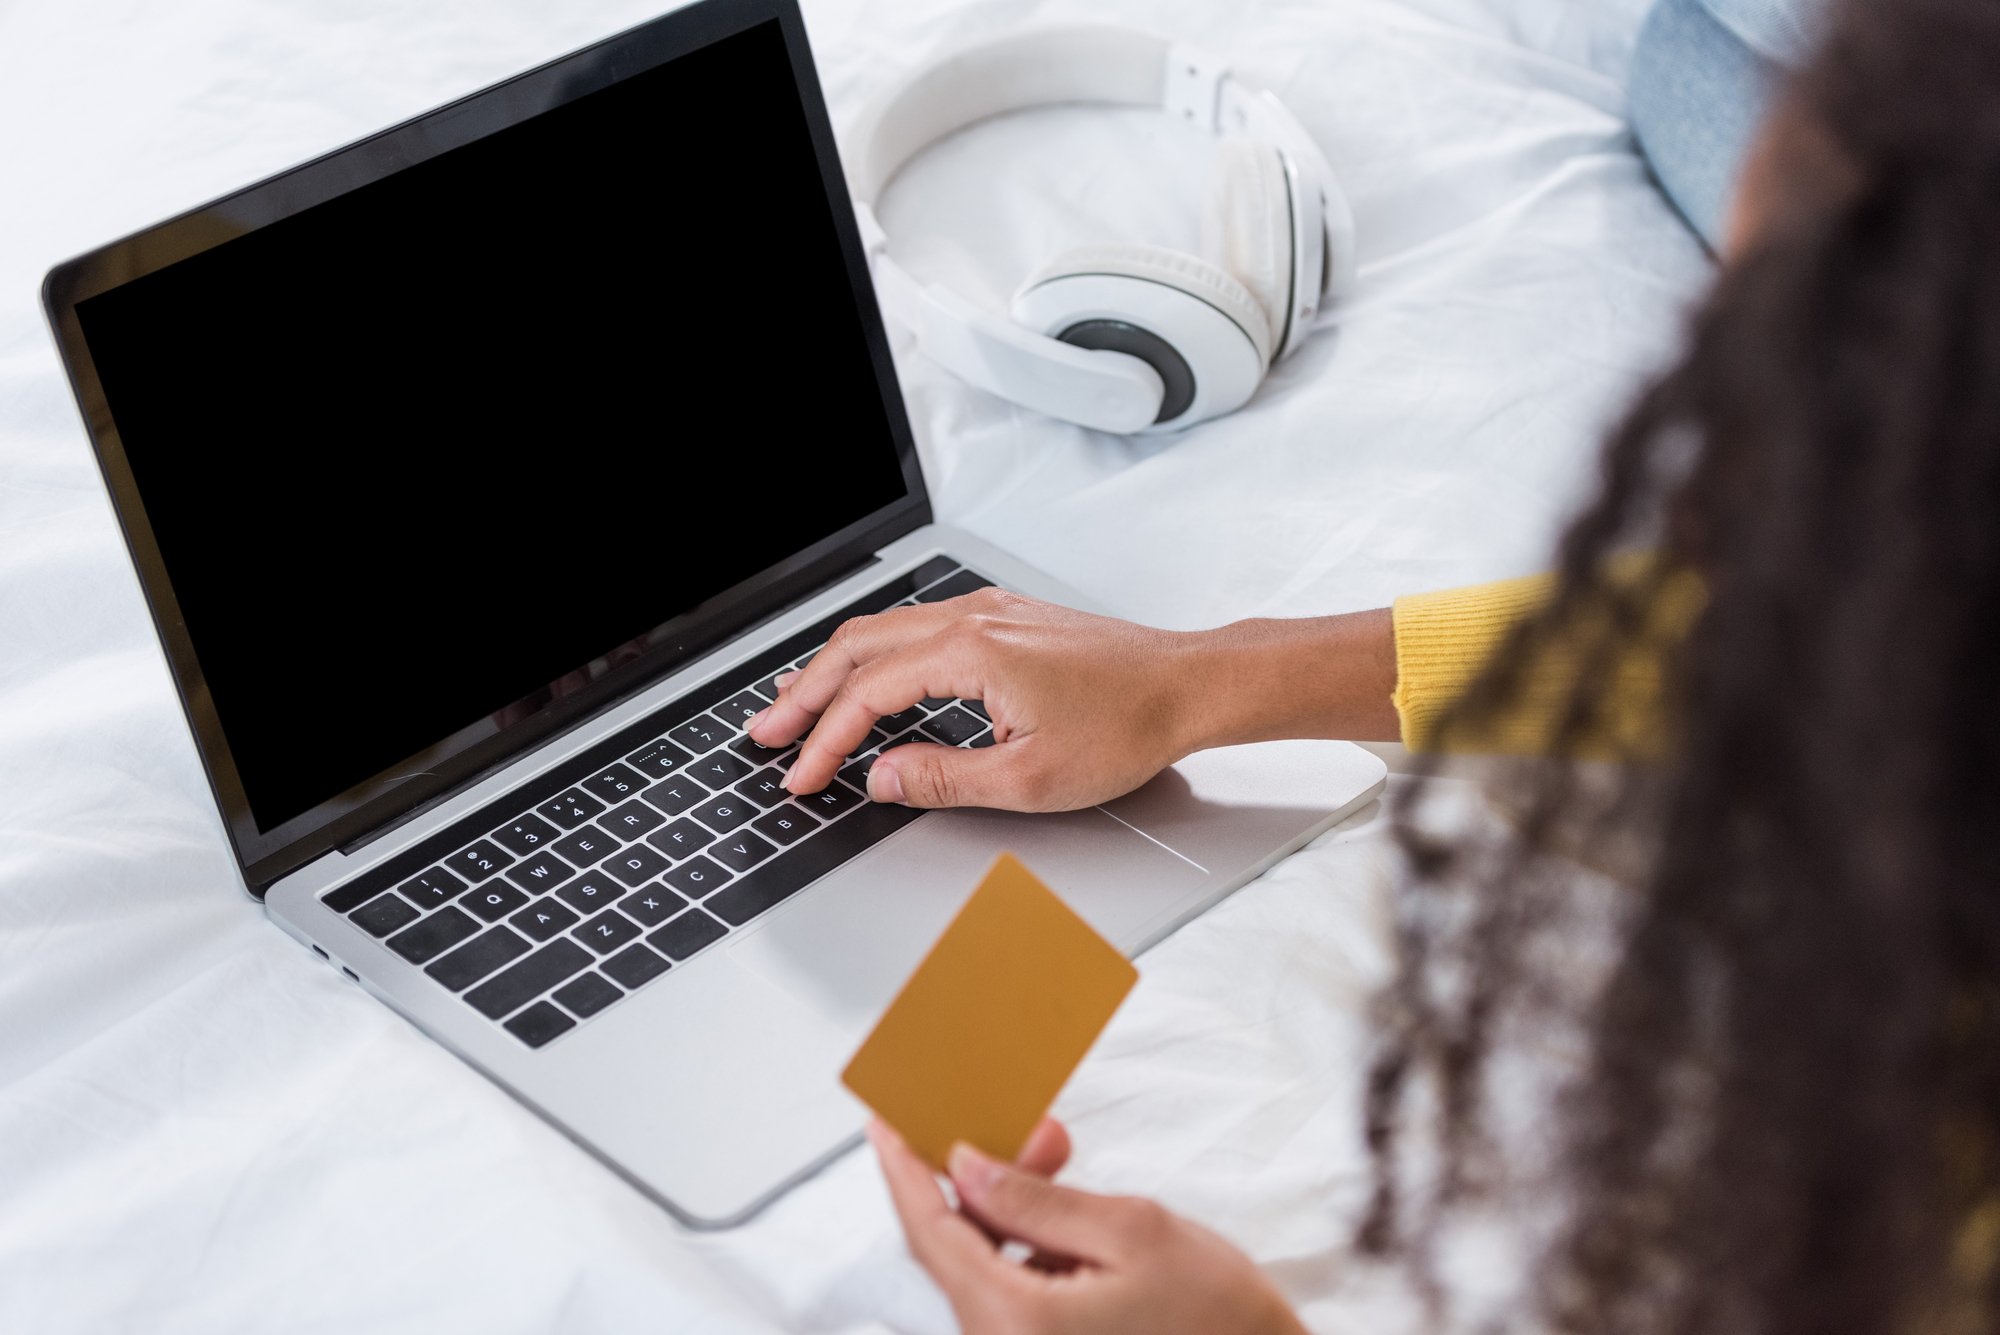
[[589, 893]]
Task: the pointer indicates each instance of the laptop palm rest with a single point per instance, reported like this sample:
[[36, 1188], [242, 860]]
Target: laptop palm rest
[[849, 943]]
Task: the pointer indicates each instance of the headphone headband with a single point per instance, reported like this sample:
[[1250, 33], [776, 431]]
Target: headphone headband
[[1095, 64]]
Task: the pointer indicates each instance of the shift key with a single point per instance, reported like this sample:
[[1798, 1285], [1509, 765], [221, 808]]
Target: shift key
[[478, 957], [508, 992]]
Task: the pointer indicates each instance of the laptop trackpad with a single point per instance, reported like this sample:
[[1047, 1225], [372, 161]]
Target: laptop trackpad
[[849, 942]]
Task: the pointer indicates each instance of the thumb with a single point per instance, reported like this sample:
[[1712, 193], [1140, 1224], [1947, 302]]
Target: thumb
[[1075, 1224], [926, 775]]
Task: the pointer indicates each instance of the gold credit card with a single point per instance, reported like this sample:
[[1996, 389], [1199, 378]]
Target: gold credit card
[[983, 1035]]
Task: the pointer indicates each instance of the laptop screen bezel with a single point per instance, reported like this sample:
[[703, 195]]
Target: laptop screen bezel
[[468, 755]]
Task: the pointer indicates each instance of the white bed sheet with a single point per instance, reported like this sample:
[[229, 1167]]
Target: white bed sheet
[[204, 1129]]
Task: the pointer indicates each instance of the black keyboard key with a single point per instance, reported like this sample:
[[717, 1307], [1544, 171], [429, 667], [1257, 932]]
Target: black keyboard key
[[436, 886], [616, 784], [682, 838], [675, 795], [383, 915], [590, 892], [588, 846], [797, 868], [855, 772], [741, 707], [684, 935], [494, 900], [478, 957], [724, 812], [525, 835], [955, 726], [652, 906], [768, 688], [433, 936], [656, 760], [480, 861], [572, 809], [635, 966], [543, 871], [544, 918], [701, 733], [636, 864], [766, 788], [696, 877], [607, 931], [587, 995], [631, 820], [930, 704], [763, 755], [895, 723], [515, 987], [350, 896], [721, 769], [786, 825], [931, 571], [962, 583], [984, 739], [539, 1023], [740, 851], [978, 707], [830, 801]]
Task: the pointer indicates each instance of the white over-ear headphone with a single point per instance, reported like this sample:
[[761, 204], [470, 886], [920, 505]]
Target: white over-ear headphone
[[1123, 337]]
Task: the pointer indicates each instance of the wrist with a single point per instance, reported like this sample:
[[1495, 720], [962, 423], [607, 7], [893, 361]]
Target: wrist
[[1267, 678], [1234, 684]]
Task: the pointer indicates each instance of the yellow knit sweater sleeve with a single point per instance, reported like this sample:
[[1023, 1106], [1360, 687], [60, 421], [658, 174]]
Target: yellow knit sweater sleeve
[[1443, 641]]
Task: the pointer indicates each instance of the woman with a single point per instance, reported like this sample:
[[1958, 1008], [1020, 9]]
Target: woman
[[1788, 1117]]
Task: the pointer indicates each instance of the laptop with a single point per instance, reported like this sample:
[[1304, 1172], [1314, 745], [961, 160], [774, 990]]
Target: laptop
[[480, 477]]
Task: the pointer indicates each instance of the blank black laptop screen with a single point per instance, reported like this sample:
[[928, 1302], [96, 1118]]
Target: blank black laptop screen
[[416, 454]]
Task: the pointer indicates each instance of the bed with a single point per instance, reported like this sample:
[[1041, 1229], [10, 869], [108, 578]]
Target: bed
[[203, 1128]]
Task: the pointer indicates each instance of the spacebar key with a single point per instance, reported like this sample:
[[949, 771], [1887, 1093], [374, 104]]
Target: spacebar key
[[782, 877]]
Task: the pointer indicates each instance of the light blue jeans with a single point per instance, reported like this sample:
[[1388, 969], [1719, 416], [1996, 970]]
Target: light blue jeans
[[1703, 74]]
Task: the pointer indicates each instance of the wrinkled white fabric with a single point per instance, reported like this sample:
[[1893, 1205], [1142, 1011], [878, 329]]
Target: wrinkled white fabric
[[202, 1128]]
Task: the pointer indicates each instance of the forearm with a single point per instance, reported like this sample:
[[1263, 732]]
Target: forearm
[[1266, 679]]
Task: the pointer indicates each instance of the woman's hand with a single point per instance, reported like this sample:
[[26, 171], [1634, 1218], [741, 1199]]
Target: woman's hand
[[1084, 707], [1100, 1263]]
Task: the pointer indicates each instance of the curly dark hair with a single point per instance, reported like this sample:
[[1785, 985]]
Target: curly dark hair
[[1786, 1113]]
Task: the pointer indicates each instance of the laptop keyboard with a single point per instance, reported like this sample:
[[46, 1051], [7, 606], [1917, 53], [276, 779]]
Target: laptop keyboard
[[677, 836]]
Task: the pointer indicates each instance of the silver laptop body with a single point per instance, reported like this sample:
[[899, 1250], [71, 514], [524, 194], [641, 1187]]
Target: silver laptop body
[[594, 894]]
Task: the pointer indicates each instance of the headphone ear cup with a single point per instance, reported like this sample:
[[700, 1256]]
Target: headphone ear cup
[[1247, 225], [1201, 330]]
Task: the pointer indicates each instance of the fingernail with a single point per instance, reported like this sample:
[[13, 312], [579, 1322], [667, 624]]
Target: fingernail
[[884, 784], [784, 679], [791, 776], [974, 1173], [756, 718]]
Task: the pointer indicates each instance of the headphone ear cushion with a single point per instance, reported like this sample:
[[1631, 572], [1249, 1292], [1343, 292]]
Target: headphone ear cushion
[[1174, 268], [1195, 324], [1204, 333], [1247, 224]]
